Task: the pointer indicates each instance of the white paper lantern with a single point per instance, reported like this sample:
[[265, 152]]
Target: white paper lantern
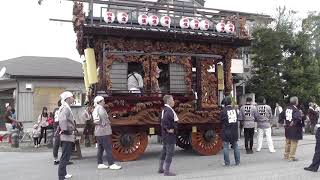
[[220, 27], [165, 21], [229, 27], [143, 19], [109, 17], [153, 20], [122, 17], [195, 24], [204, 25], [184, 23]]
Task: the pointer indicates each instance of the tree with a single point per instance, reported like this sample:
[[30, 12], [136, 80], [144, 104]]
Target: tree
[[286, 62], [267, 64], [269, 47], [302, 67], [311, 27]]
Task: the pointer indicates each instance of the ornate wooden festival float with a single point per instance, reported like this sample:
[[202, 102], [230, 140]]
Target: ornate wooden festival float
[[192, 46]]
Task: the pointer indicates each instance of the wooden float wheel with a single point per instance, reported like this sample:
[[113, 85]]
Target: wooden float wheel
[[128, 146], [183, 141], [206, 142]]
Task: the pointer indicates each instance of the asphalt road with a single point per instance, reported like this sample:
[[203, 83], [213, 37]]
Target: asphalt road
[[38, 165]]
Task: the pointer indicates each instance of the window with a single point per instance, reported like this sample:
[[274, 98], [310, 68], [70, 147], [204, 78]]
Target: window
[[78, 100], [177, 81], [163, 79], [118, 76], [135, 77]]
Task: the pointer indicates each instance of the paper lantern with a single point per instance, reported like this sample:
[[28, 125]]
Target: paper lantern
[[153, 20], [122, 17], [204, 25], [229, 27], [85, 76], [195, 24], [109, 17], [91, 65], [184, 23], [220, 27], [165, 21], [143, 19]]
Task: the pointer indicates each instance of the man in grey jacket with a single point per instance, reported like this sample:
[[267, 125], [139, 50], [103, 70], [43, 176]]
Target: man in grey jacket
[[264, 124], [103, 133], [248, 115], [67, 133]]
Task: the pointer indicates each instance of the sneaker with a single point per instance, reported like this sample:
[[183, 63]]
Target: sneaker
[[249, 151], [258, 150], [273, 151], [56, 162], [103, 166], [160, 171], [169, 174], [35, 146], [114, 167], [96, 145], [68, 176]]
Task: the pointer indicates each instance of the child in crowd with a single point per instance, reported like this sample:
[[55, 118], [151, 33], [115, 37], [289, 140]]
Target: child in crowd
[[36, 135]]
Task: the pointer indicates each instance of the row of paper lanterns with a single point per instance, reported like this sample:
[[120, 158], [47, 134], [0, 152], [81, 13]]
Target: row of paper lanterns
[[165, 21]]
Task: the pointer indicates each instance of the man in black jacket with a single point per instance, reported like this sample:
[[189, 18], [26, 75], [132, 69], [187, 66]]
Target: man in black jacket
[[229, 122], [316, 157], [168, 119], [293, 128]]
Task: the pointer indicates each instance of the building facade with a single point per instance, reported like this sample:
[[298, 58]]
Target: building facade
[[31, 83]]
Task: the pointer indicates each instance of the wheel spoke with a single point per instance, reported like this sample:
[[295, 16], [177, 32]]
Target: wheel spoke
[[134, 147], [183, 141], [206, 146]]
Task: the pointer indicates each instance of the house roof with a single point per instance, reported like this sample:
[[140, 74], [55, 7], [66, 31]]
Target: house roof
[[42, 67]]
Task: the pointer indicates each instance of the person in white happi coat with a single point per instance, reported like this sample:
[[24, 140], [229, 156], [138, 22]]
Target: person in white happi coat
[[103, 134], [67, 133], [264, 124]]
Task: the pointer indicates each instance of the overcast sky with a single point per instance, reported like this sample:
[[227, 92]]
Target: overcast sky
[[26, 30]]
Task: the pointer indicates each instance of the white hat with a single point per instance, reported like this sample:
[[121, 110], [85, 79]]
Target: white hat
[[97, 99], [7, 104], [65, 95]]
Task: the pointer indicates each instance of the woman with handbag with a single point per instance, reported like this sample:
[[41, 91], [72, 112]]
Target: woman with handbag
[[43, 123], [103, 134]]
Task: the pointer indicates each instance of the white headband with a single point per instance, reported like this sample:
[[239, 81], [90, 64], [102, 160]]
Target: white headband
[[65, 95], [97, 99]]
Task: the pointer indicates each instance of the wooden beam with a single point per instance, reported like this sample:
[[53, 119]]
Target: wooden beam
[[164, 54], [158, 35]]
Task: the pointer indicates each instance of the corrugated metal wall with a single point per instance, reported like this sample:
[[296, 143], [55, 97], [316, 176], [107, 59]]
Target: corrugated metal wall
[[25, 106]]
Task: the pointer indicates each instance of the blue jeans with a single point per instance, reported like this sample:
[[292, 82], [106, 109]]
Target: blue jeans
[[226, 152], [65, 157], [104, 144]]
